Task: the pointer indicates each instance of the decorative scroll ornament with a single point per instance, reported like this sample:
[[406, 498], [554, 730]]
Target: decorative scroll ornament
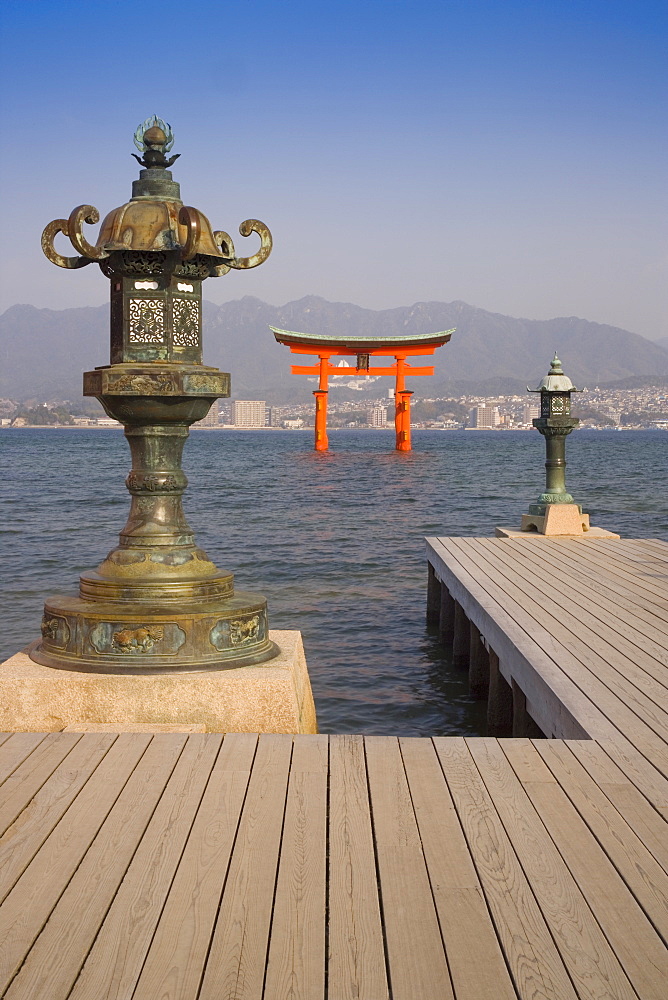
[[73, 228], [79, 215], [49, 250], [224, 241]]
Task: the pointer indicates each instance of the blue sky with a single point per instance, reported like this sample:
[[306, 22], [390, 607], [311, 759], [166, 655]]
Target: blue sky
[[509, 154]]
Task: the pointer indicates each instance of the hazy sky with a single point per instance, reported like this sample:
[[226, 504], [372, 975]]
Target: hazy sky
[[510, 154]]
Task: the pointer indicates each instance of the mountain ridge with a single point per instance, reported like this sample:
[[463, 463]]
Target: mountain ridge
[[44, 351]]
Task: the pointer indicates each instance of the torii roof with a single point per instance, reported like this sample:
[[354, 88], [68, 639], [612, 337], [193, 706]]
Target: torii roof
[[358, 345]]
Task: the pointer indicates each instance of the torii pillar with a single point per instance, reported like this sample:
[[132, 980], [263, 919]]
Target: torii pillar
[[402, 406], [321, 439]]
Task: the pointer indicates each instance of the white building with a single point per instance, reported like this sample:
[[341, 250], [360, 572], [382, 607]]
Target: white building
[[377, 417], [248, 413], [484, 418], [530, 411], [212, 419]]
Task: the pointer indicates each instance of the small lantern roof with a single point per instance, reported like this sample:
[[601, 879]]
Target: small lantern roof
[[555, 380]]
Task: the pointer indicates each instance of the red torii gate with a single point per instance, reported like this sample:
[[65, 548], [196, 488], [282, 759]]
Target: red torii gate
[[363, 348]]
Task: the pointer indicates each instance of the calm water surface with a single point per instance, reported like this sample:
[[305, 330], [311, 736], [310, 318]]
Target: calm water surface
[[334, 540]]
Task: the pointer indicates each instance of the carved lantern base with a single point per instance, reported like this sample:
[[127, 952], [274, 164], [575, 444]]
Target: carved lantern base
[[157, 602], [117, 637]]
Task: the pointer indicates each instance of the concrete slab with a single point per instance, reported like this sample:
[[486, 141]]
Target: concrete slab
[[593, 532], [271, 697]]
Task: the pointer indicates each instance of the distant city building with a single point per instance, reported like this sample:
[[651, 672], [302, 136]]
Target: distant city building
[[530, 413], [212, 419], [484, 417], [377, 417], [248, 413]]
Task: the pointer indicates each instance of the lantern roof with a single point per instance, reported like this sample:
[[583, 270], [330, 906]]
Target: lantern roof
[[555, 380], [155, 219], [150, 220]]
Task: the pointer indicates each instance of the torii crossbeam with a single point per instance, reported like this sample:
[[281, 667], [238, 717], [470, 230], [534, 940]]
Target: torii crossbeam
[[363, 348]]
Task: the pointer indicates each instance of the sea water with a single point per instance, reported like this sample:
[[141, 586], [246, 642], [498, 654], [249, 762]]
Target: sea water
[[334, 540]]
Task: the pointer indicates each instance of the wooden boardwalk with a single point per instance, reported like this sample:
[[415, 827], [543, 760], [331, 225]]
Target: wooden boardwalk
[[574, 639], [143, 866], [152, 867]]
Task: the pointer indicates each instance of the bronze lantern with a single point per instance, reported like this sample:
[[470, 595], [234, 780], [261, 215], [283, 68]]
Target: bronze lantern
[[156, 602], [555, 424]]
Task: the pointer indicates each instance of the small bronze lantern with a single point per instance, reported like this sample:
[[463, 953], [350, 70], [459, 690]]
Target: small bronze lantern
[[156, 602], [555, 423]]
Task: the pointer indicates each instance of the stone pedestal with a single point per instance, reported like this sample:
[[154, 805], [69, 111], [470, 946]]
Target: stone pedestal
[[272, 697], [558, 519]]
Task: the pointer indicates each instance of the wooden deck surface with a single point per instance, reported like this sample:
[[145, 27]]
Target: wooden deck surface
[[141, 867], [580, 628]]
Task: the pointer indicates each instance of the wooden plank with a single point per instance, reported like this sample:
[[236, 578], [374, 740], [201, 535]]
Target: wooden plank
[[20, 787], [589, 579], [27, 833], [236, 965], [356, 960], [417, 966], [28, 905], [16, 749], [591, 664], [641, 772], [592, 966], [643, 875], [625, 707], [5, 736], [616, 577], [533, 960], [115, 960], [633, 637], [626, 798], [296, 962], [635, 942], [538, 674], [460, 903], [626, 562], [565, 713], [175, 962], [646, 550]]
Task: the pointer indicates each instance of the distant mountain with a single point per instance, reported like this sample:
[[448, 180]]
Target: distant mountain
[[662, 342], [44, 351]]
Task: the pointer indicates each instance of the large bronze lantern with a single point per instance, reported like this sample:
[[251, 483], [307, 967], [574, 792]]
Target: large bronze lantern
[[156, 602], [555, 424]]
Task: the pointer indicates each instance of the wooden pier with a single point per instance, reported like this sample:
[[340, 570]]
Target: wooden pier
[[192, 866], [141, 866]]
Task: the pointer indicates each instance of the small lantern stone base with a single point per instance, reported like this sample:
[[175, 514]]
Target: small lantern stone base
[[558, 519], [272, 697]]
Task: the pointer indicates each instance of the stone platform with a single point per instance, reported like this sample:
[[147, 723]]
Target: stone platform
[[272, 697]]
